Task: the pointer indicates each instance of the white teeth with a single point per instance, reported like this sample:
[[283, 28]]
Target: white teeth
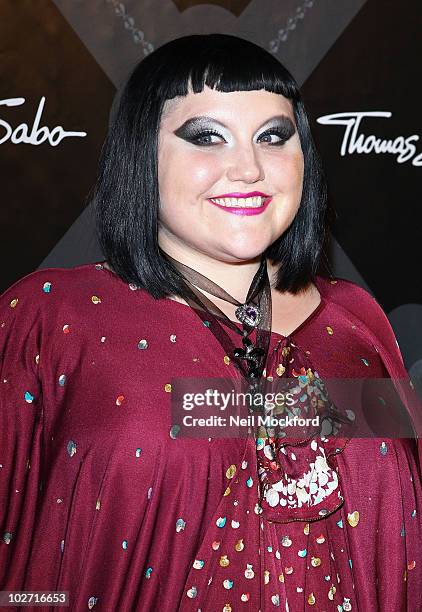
[[254, 202]]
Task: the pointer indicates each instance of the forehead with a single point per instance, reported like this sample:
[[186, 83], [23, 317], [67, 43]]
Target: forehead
[[238, 105]]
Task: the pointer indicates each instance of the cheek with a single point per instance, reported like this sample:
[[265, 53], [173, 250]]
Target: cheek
[[199, 170], [186, 175], [300, 164], [287, 173]]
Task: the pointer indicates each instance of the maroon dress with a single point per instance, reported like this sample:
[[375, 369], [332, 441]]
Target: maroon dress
[[101, 498]]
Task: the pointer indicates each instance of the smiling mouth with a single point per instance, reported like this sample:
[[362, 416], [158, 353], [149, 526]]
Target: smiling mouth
[[252, 202]]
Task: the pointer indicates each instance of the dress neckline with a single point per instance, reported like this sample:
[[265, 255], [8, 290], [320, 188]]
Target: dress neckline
[[299, 327], [320, 306]]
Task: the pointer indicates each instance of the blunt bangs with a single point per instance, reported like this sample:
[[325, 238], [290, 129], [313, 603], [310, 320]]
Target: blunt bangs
[[126, 192]]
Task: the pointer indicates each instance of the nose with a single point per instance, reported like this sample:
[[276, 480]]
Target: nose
[[245, 165]]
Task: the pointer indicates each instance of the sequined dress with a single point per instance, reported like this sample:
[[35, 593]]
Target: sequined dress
[[100, 497]]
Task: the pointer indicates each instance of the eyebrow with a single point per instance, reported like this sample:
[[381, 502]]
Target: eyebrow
[[198, 121]]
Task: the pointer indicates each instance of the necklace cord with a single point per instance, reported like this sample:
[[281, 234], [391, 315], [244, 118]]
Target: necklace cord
[[258, 303]]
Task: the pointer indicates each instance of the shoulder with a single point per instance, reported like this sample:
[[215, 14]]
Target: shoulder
[[45, 289], [342, 290], [49, 281], [50, 294], [362, 305], [351, 296]]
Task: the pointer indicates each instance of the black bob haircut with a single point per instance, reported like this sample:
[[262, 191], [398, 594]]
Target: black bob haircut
[[126, 192]]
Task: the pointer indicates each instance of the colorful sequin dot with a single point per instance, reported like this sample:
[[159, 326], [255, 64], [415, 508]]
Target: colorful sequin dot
[[231, 471], [311, 599], [148, 572], [280, 369], [66, 329], [138, 452], [124, 544], [192, 592], [239, 546], [249, 573], [142, 344], [29, 397], [14, 302], [167, 388], [92, 602], [330, 330], [119, 400], [62, 380], [353, 518], [383, 448], [174, 430], [46, 287], [95, 299], [71, 448]]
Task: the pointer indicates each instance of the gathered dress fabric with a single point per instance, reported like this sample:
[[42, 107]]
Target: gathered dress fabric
[[100, 497]]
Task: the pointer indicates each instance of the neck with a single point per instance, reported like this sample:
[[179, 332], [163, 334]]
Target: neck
[[234, 277]]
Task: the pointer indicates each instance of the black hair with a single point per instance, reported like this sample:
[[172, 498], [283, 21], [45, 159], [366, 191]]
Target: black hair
[[126, 194]]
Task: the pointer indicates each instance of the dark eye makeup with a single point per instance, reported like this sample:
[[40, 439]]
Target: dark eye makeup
[[197, 132]]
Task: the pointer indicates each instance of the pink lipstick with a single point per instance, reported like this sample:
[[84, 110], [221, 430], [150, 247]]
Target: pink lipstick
[[243, 210], [251, 194]]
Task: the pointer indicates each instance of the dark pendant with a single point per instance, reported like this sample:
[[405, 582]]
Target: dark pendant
[[252, 355], [249, 314]]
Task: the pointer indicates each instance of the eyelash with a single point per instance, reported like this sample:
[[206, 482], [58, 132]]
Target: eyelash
[[195, 137]]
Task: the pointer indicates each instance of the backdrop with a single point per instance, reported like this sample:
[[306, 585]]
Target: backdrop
[[357, 61]]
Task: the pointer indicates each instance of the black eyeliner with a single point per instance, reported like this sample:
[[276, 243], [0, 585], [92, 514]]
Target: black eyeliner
[[285, 126], [197, 126], [191, 128], [284, 130]]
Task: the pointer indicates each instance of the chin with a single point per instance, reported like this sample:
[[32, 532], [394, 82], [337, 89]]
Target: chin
[[245, 252]]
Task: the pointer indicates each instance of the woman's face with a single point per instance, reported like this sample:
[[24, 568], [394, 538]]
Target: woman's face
[[218, 145]]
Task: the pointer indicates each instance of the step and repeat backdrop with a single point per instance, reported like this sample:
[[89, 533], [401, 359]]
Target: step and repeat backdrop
[[62, 63]]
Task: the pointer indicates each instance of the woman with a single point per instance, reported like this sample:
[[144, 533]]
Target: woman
[[211, 212]]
